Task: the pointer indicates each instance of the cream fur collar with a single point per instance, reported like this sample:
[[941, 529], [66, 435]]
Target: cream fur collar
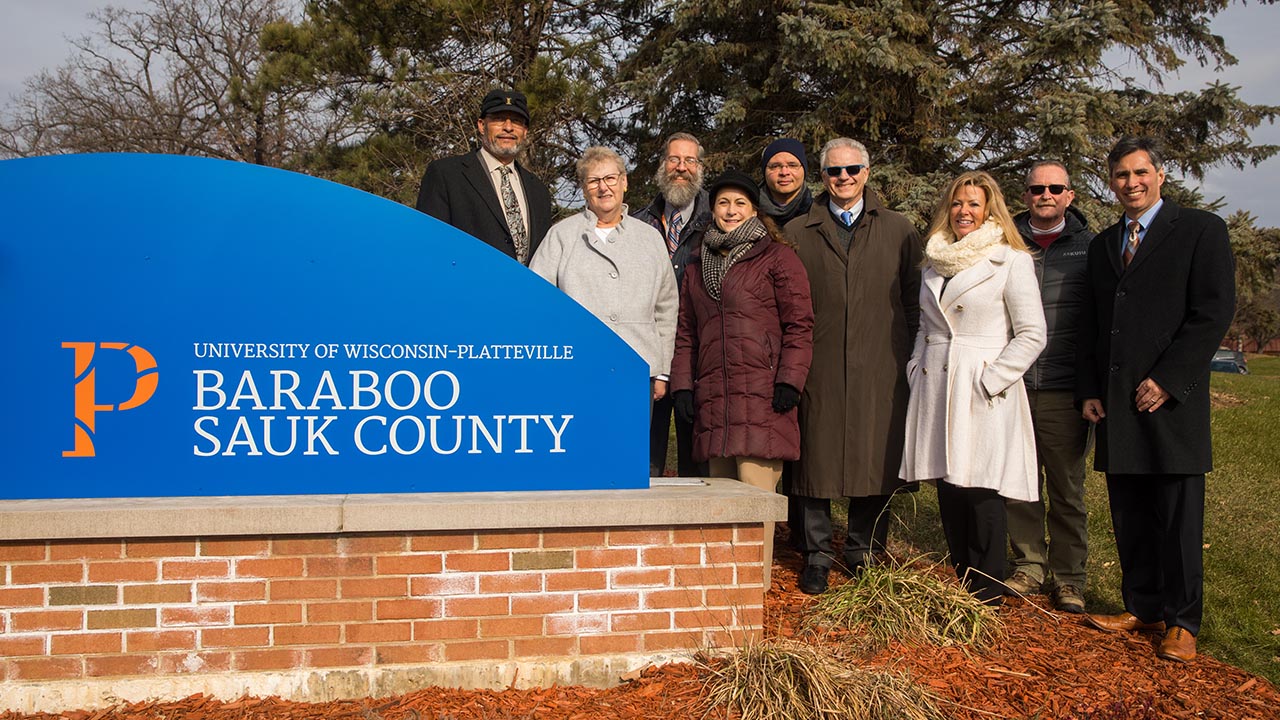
[[948, 256]]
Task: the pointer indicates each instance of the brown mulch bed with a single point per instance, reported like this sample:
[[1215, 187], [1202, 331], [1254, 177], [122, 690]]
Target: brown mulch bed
[[1050, 665], [1047, 666]]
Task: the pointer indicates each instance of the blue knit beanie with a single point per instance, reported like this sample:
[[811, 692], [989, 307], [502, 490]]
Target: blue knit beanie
[[787, 145]]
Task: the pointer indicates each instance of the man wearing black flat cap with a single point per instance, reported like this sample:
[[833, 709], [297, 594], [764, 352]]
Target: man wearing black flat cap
[[487, 193]]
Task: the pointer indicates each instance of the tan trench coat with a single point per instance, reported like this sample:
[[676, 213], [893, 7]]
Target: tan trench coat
[[866, 308]]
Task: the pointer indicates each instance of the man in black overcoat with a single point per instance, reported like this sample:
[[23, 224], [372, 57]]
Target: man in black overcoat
[[487, 193], [1160, 297]]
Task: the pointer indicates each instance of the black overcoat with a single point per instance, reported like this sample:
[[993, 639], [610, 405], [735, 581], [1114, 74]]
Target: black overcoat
[[1162, 317], [458, 191]]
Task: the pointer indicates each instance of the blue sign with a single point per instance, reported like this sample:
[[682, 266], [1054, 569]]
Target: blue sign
[[180, 326]]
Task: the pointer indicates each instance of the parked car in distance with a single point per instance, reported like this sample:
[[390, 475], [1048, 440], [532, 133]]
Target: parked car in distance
[[1231, 361]]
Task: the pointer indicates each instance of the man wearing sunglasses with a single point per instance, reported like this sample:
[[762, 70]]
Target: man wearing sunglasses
[[863, 262], [1058, 236]]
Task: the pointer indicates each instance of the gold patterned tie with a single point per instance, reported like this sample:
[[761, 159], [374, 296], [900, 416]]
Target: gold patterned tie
[[514, 220], [1131, 246]]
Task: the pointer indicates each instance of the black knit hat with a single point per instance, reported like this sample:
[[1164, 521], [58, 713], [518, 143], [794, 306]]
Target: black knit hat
[[738, 181], [512, 101]]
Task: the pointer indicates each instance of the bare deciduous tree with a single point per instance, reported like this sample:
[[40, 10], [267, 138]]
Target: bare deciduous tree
[[178, 76]]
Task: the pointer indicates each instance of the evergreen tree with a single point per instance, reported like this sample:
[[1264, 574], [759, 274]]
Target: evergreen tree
[[934, 87], [411, 74], [367, 92], [1257, 252]]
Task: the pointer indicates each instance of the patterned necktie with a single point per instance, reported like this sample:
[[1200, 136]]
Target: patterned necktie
[[673, 233], [514, 221], [1131, 246], [846, 217]]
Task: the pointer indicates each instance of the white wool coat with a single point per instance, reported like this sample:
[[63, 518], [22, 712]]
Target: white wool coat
[[968, 420]]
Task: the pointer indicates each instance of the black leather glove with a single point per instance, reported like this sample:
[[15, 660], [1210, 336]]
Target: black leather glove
[[785, 397], [683, 400]]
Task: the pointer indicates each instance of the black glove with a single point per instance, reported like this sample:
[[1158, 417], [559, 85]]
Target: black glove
[[683, 400], [785, 397]]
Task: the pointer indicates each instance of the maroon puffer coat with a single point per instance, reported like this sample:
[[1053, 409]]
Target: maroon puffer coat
[[731, 353]]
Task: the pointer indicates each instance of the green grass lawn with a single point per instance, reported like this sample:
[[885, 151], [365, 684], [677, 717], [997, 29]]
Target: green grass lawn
[[1242, 523]]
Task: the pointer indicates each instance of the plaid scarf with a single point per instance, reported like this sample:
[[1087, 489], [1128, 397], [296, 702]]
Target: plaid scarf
[[737, 242]]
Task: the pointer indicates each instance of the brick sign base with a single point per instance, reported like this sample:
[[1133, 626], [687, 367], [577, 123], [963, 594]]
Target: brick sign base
[[322, 616]]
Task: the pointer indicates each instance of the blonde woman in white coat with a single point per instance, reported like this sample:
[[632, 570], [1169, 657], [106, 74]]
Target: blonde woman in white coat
[[968, 421]]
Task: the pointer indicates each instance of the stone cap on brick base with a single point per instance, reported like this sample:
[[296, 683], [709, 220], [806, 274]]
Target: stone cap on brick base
[[716, 502]]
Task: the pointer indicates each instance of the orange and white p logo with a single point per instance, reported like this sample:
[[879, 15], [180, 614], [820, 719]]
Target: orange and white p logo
[[87, 406]]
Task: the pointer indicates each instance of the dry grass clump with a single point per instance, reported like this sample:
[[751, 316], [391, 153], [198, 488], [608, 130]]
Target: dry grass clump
[[892, 601], [788, 680]]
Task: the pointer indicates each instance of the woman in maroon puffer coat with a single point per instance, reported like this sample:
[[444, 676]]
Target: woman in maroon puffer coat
[[744, 340]]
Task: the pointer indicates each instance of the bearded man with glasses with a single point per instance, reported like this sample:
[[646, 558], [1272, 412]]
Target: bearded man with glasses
[[679, 213], [863, 262], [1058, 236]]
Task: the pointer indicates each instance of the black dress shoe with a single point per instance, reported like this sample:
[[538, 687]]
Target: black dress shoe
[[813, 581]]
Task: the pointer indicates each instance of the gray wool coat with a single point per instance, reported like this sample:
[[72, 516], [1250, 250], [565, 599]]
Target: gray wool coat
[[625, 280]]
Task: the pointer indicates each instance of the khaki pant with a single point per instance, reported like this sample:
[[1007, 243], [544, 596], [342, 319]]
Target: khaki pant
[[1062, 441], [759, 473]]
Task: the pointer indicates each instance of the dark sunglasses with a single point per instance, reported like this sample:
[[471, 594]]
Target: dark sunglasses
[[835, 170], [1053, 189]]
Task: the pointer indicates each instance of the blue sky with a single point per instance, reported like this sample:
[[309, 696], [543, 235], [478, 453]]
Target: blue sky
[[34, 36]]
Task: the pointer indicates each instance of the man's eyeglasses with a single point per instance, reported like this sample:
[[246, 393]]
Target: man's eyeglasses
[[835, 170], [607, 181], [675, 160], [775, 167], [1053, 189]]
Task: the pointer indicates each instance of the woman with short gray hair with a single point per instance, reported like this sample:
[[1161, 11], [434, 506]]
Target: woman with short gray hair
[[614, 265]]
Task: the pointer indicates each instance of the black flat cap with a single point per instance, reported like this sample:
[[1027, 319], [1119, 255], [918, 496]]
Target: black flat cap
[[512, 101], [738, 181]]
